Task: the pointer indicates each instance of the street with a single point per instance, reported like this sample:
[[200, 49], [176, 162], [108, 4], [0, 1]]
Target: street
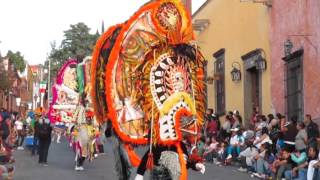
[[61, 166]]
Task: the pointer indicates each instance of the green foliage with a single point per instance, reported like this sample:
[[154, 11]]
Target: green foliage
[[4, 79], [17, 60], [77, 44]]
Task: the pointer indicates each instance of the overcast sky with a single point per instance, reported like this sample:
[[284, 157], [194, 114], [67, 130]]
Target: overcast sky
[[29, 26]]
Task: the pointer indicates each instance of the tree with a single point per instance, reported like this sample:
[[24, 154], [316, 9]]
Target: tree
[[17, 60], [77, 44], [4, 79]]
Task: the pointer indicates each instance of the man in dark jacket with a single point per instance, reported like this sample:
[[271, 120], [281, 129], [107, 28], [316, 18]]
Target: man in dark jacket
[[312, 130], [44, 135], [35, 148]]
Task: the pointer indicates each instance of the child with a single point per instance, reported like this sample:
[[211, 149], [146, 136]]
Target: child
[[210, 149], [221, 153]]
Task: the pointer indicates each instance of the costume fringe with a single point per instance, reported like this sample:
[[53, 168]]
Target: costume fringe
[[183, 163]]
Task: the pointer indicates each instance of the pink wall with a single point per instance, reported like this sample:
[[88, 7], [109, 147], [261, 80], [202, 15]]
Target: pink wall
[[299, 21]]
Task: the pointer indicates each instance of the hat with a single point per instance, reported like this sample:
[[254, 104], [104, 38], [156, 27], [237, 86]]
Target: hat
[[235, 129]]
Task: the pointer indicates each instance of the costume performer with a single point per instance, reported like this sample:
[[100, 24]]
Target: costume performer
[[148, 81]]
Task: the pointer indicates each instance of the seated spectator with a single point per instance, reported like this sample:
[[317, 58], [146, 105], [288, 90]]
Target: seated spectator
[[236, 142], [200, 146], [263, 161], [280, 143], [210, 149], [263, 138], [313, 172], [6, 173], [282, 164], [301, 162], [221, 152], [247, 156]]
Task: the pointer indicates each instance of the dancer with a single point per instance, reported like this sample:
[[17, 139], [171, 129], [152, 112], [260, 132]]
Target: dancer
[[147, 77], [85, 135]]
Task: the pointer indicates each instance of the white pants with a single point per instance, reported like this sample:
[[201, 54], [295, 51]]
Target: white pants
[[311, 169]]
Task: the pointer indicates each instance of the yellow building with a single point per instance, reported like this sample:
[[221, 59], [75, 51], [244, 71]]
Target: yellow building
[[235, 34]]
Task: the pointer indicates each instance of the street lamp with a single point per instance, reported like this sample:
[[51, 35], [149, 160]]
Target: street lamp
[[261, 63], [236, 73], [287, 47]]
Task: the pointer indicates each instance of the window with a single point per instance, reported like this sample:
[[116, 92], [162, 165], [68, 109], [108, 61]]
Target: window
[[294, 85], [220, 82]]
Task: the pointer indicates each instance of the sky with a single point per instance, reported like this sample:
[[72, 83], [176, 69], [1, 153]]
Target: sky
[[29, 26]]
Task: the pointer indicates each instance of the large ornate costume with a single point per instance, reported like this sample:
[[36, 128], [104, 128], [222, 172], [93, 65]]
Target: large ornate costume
[[72, 105], [148, 81]]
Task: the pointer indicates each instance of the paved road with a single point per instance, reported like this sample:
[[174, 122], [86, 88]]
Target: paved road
[[61, 164]]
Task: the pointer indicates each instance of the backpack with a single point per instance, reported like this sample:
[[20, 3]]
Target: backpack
[[44, 131]]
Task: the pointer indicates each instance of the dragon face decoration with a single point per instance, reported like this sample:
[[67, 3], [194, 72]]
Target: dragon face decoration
[[147, 76], [65, 96]]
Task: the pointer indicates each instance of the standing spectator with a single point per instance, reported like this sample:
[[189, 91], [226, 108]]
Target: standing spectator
[[4, 129], [290, 132], [212, 124], [19, 128], [237, 120], [254, 117], [225, 129], [282, 120], [260, 124], [264, 138], [301, 138], [273, 123], [274, 130], [44, 135], [312, 130], [35, 127]]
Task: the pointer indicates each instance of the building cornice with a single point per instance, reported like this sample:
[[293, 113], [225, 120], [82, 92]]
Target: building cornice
[[201, 8]]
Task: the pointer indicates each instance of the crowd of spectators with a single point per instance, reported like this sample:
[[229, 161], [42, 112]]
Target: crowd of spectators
[[269, 147]]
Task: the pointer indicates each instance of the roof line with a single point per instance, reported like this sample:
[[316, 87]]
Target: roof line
[[200, 8]]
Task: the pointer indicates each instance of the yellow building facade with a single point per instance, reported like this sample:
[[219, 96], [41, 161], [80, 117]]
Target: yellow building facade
[[235, 34]]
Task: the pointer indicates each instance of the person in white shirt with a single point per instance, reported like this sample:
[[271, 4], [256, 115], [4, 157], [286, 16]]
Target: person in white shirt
[[263, 138], [313, 165], [247, 156], [236, 142], [21, 133]]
